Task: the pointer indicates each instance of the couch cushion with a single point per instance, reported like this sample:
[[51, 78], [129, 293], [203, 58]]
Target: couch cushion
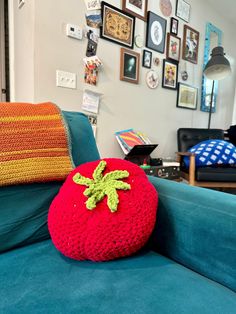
[[37, 279], [212, 152], [24, 208], [218, 174]]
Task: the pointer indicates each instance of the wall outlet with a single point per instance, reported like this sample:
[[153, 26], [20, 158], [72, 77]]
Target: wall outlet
[[65, 79], [74, 31]]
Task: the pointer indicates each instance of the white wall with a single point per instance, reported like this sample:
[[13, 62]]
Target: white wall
[[22, 59], [123, 105]]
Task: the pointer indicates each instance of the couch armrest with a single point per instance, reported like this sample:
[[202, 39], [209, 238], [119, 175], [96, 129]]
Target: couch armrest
[[197, 228]]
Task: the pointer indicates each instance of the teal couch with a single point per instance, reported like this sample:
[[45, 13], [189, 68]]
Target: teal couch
[[188, 266]]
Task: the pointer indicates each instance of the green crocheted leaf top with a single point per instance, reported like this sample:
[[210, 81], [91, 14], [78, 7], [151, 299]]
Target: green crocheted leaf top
[[103, 185]]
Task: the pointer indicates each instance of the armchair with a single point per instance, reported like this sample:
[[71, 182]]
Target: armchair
[[209, 176]]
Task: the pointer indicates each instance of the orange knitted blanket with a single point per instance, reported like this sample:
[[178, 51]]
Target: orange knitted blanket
[[34, 144]]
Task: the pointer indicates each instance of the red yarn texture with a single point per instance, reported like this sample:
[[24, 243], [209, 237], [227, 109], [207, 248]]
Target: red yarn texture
[[99, 234]]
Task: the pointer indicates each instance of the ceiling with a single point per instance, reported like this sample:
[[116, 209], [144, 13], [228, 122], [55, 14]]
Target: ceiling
[[227, 8]]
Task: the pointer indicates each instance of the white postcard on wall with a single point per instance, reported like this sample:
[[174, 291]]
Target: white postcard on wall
[[92, 4], [91, 101]]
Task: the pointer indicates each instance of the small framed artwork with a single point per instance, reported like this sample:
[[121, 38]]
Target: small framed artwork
[[152, 79], [137, 8], [183, 10], [147, 59], [187, 96], [117, 26], [173, 47], [129, 66], [156, 32], [190, 44], [174, 26], [165, 7], [170, 74]]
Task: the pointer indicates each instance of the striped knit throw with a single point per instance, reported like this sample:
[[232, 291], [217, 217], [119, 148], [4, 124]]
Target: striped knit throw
[[34, 144]]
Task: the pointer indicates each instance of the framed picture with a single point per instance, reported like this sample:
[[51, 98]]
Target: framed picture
[[173, 47], [190, 44], [156, 32], [136, 8], [147, 59], [174, 26], [152, 79], [165, 7], [170, 74], [183, 10], [129, 66], [187, 96], [117, 26]]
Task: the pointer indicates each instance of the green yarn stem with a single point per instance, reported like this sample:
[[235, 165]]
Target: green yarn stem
[[102, 186]]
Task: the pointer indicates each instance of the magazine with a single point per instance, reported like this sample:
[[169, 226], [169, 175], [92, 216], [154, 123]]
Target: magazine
[[129, 138]]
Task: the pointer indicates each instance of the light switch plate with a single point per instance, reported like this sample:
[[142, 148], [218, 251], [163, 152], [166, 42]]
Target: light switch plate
[[65, 79]]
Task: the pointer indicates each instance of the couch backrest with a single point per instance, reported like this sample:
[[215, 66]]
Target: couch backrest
[[188, 137], [24, 208]]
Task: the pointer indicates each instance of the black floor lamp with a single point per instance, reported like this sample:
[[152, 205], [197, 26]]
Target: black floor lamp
[[216, 69]]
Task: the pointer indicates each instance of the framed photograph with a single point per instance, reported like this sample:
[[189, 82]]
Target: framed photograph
[[173, 47], [174, 26], [129, 66], [170, 74], [117, 26], [190, 44], [147, 59], [183, 10], [136, 8], [187, 96], [156, 32]]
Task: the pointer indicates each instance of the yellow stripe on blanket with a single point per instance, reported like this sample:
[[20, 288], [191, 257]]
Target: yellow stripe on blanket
[[34, 144]]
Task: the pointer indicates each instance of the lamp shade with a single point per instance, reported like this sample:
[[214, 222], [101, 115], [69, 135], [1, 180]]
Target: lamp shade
[[218, 67]]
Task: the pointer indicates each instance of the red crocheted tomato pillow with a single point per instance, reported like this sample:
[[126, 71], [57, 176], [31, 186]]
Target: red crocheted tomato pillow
[[105, 210]]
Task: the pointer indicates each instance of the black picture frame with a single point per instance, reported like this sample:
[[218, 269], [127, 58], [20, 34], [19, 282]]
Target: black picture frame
[[147, 59], [107, 10], [174, 26], [170, 74], [156, 32], [192, 98]]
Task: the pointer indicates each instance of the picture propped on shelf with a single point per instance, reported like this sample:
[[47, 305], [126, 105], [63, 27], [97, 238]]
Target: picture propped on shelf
[[170, 74], [190, 44], [156, 32], [129, 66], [187, 96], [117, 26], [173, 47], [136, 8]]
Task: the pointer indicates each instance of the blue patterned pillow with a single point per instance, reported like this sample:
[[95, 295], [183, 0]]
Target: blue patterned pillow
[[213, 152]]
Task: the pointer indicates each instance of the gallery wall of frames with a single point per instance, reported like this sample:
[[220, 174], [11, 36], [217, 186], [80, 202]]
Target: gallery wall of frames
[[117, 25], [138, 65]]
